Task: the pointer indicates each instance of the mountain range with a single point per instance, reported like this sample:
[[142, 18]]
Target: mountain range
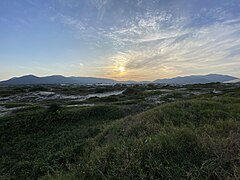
[[57, 79], [196, 79]]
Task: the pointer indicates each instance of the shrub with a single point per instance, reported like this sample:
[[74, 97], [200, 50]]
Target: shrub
[[54, 108]]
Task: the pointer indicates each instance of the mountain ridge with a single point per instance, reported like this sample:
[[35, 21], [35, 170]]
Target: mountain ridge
[[196, 79], [59, 79]]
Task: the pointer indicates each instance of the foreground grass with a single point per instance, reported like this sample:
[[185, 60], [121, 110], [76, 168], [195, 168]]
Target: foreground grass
[[193, 139], [38, 142]]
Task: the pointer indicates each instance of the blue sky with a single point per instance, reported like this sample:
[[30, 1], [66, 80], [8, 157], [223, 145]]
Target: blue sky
[[127, 39]]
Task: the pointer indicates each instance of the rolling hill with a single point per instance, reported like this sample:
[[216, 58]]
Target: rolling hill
[[57, 79], [201, 79]]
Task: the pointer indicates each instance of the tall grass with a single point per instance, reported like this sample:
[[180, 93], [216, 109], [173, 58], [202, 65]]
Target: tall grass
[[192, 139]]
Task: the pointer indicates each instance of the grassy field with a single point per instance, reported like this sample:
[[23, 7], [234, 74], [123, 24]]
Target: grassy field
[[126, 136]]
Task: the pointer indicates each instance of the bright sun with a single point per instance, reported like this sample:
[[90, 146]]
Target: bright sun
[[121, 69]]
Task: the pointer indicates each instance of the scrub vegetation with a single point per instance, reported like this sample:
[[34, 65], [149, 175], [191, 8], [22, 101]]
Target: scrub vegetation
[[147, 132]]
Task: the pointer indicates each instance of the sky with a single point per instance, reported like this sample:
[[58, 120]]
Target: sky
[[119, 39]]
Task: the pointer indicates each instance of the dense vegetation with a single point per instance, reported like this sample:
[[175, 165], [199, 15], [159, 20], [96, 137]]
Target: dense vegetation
[[195, 138], [34, 143]]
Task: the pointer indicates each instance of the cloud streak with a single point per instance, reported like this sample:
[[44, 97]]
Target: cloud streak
[[148, 39], [159, 43], [163, 46]]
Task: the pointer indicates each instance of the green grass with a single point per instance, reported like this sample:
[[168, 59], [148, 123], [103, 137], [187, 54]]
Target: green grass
[[197, 138], [38, 142]]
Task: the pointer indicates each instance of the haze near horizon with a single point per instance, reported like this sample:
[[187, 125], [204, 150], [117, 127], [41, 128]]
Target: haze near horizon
[[122, 40]]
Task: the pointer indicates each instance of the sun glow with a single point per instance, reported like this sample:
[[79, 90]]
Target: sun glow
[[121, 69]]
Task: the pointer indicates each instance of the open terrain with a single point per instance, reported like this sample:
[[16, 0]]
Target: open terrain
[[120, 131], [119, 89]]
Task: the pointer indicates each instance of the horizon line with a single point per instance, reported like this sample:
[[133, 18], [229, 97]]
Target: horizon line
[[39, 76]]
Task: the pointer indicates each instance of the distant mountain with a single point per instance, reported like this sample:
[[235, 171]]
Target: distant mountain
[[134, 82], [127, 82], [201, 79], [233, 81], [56, 79]]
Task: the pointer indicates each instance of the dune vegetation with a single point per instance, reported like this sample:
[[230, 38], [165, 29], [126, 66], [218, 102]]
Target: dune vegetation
[[193, 138]]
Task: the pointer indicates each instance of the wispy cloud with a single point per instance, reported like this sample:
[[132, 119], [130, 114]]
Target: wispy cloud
[[179, 49], [163, 44], [134, 39], [69, 21]]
